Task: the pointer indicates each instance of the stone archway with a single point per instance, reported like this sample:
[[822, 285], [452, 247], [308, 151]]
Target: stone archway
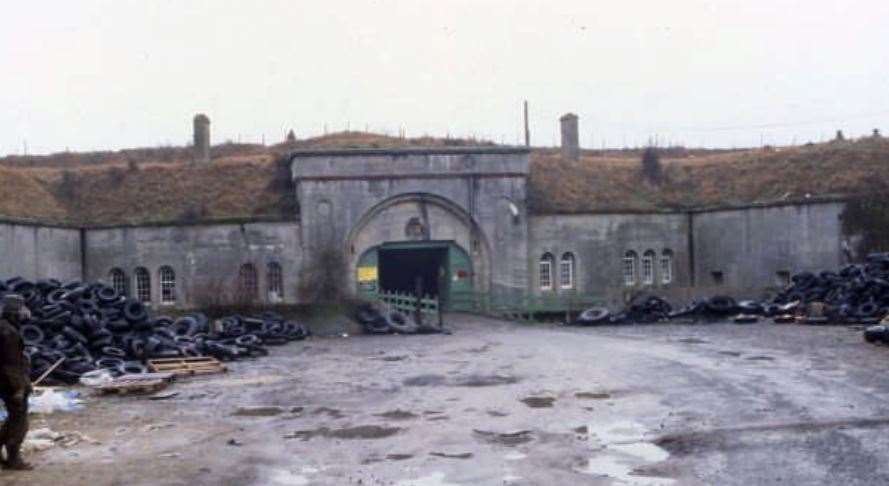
[[418, 220]]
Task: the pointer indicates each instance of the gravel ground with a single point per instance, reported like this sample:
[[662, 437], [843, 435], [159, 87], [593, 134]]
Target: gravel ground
[[505, 403]]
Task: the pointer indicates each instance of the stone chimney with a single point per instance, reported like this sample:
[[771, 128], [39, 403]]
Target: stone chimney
[[570, 140], [201, 138]]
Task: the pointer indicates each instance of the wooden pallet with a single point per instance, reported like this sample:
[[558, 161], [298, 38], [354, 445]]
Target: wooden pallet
[[143, 383], [187, 366]]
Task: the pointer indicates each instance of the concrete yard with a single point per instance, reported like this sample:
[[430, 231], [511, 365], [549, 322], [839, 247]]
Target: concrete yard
[[505, 403]]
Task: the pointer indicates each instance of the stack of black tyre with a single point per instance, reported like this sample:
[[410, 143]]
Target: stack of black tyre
[[93, 327], [649, 309], [378, 321], [857, 294]]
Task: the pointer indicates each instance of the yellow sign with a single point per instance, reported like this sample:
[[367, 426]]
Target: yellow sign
[[367, 274]]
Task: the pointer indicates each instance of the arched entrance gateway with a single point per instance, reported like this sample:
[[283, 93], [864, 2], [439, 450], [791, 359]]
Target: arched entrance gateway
[[419, 238]]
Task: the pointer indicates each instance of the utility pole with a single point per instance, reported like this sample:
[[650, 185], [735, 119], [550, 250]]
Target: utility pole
[[527, 129]]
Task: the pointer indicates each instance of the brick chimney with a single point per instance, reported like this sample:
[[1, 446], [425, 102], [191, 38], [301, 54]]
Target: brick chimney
[[201, 138], [570, 140]]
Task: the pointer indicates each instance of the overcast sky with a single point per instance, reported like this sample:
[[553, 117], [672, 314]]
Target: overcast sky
[[88, 75]]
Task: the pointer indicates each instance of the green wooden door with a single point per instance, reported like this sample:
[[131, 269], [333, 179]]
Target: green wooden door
[[460, 295]]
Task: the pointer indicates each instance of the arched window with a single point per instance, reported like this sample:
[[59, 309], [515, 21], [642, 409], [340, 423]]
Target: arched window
[[168, 285], [247, 281], [667, 266], [546, 271], [629, 268], [648, 267], [143, 284], [566, 271], [119, 281], [275, 282]]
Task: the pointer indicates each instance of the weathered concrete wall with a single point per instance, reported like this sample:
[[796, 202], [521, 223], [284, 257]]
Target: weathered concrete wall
[[342, 193], [33, 251], [599, 243], [750, 246], [204, 257]]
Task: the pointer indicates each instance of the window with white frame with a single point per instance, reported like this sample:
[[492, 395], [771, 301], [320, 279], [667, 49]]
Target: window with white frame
[[629, 268], [667, 266], [143, 284], [275, 282], [247, 282], [119, 281], [566, 271], [168, 285], [546, 272], [648, 268]]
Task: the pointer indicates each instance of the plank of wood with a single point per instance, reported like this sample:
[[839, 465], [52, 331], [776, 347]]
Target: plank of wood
[[146, 377], [195, 359], [187, 366], [134, 386]]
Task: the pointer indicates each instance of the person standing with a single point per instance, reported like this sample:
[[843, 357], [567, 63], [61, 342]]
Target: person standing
[[15, 380]]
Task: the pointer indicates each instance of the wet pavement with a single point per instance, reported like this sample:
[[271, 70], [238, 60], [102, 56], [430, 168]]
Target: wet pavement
[[501, 403]]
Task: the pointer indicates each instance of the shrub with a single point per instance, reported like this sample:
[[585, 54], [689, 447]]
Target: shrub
[[651, 166]]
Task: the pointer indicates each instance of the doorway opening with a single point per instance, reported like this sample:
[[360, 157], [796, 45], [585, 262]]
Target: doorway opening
[[401, 269]]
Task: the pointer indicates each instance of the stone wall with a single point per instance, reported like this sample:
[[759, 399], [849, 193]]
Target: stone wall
[[745, 252], [599, 243], [751, 246], [33, 251], [205, 258]]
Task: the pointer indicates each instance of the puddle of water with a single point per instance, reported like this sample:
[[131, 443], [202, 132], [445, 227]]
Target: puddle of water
[[425, 380], [644, 450], [506, 439], [538, 402], [358, 432], [258, 411], [515, 456], [624, 450], [434, 479], [397, 414], [487, 380], [617, 467], [284, 477], [693, 341], [509, 478], [624, 431]]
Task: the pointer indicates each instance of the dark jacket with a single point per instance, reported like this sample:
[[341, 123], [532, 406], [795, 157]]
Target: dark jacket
[[15, 373]]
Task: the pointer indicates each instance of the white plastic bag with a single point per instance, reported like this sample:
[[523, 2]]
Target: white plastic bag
[[51, 401], [97, 378]]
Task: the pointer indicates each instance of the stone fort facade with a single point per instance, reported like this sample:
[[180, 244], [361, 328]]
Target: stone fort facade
[[454, 218]]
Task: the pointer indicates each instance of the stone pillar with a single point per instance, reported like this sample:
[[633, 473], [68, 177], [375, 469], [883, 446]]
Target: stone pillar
[[201, 138], [570, 137]]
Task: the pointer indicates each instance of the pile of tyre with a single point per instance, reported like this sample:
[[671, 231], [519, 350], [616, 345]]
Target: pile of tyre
[[651, 309], [857, 294], [90, 326], [377, 321]]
